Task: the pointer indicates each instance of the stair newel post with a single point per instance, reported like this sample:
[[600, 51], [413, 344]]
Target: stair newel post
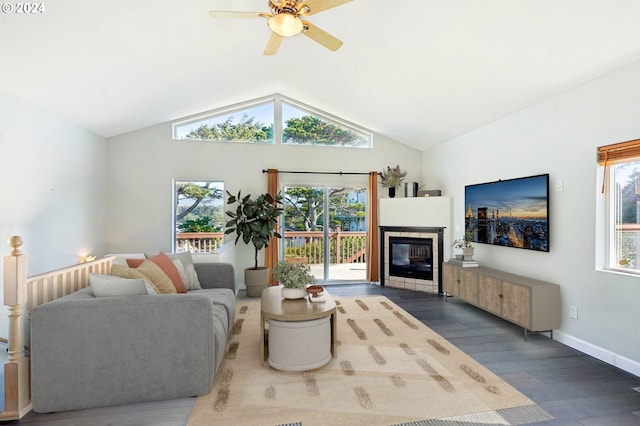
[[16, 369]]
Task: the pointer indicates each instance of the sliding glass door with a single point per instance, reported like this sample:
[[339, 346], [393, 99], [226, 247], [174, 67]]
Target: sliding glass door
[[325, 227]]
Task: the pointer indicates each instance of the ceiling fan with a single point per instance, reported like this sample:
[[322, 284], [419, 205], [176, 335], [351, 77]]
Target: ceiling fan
[[285, 20]]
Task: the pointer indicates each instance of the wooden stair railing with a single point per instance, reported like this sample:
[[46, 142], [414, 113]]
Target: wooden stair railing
[[17, 392]]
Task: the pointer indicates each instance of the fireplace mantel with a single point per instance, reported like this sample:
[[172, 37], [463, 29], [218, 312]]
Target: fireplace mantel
[[419, 212]]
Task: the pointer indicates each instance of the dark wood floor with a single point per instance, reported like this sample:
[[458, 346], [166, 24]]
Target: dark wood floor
[[574, 388]]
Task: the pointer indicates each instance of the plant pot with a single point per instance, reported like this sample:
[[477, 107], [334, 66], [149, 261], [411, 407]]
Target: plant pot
[[467, 253], [392, 192], [256, 280], [293, 293]]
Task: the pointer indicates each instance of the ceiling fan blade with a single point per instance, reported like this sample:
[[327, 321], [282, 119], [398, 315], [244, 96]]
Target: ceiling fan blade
[[242, 15], [273, 44], [315, 6], [321, 36]]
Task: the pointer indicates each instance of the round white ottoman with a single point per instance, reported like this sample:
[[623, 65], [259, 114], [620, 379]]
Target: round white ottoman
[[299, 345]]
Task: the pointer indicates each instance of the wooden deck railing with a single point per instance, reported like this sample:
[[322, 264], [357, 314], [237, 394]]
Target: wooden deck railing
[[345, 247], [199, 242]]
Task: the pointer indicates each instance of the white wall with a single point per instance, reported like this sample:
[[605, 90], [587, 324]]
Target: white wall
[[142, 165], [559, 137], [52, 186], [431, 212]]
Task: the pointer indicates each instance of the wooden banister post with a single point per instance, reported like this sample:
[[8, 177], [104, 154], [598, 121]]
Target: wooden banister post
[[17, 395]]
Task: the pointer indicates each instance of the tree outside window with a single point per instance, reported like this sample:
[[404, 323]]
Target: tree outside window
[[198, 216]]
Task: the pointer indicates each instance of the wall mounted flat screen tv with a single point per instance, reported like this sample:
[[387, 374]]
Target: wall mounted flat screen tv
[[509, 213]]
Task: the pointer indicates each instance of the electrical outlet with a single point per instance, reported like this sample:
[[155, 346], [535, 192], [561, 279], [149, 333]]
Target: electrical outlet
[[559, 185], [573, 312]]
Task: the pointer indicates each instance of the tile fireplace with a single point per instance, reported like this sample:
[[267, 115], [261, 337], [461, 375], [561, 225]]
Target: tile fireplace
[[411, 257]]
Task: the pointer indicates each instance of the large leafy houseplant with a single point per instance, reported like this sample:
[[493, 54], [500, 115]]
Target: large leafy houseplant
[[254, 220]]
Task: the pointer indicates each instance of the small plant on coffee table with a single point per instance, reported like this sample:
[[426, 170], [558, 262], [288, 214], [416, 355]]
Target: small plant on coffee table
[[292, 275]]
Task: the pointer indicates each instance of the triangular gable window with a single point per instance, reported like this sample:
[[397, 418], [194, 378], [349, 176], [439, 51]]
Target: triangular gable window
[[255, 122], [247, 123], [303, 126]]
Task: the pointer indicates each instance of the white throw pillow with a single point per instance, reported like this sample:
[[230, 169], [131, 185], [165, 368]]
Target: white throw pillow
[[192, 277], [188, 274], [181, 271], [109, 285]]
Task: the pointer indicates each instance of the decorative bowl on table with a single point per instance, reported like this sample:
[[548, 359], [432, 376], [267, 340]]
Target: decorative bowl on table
[[315, 290], [293, 293]]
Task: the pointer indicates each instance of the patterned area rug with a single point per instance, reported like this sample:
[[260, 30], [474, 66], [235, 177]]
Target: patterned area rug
[[390, 369]]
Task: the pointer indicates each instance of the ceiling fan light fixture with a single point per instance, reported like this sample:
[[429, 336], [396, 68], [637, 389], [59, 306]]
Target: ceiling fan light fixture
[[285, 24]]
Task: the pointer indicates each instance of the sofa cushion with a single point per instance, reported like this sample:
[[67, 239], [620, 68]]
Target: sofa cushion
[[182, 272], [134, 262], [216, 275], [220, 332], [189, 275], [103, 285], [223, 297], [121, 258], [147, 269], [167, 266], [191, 281], [161, 281]]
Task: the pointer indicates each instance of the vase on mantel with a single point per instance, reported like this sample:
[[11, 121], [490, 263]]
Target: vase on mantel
[[392, 191]]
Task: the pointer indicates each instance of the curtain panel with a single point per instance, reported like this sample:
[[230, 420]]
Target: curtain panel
[[373, 258], [271, 254]]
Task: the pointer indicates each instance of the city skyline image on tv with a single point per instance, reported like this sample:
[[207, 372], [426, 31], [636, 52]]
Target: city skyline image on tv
[[509, 213]]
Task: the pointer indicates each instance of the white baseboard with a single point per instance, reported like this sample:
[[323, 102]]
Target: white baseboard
[[597, 352]]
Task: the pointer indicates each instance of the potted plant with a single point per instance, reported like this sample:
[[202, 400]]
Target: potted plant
[[254, 220], [392, 178], [464, 244], [294, 278]]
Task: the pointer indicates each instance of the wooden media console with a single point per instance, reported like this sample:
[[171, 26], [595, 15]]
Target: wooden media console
[[532, 304]]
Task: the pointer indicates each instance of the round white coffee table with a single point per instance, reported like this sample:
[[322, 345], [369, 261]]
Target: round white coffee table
[[302, 334]]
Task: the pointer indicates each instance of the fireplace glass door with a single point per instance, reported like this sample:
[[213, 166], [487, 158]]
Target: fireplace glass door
[[411, 257]]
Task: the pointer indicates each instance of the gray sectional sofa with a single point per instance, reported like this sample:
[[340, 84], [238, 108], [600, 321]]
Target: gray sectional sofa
[[89, 351]]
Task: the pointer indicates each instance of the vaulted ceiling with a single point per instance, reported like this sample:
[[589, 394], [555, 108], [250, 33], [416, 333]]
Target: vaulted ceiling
[[417, 71]]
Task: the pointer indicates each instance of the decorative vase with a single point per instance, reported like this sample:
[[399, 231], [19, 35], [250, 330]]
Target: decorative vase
[[392, 191], [467, 253], [293, 293]]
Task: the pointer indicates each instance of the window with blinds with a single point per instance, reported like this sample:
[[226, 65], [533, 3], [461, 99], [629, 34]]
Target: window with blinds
[[621, 186]]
